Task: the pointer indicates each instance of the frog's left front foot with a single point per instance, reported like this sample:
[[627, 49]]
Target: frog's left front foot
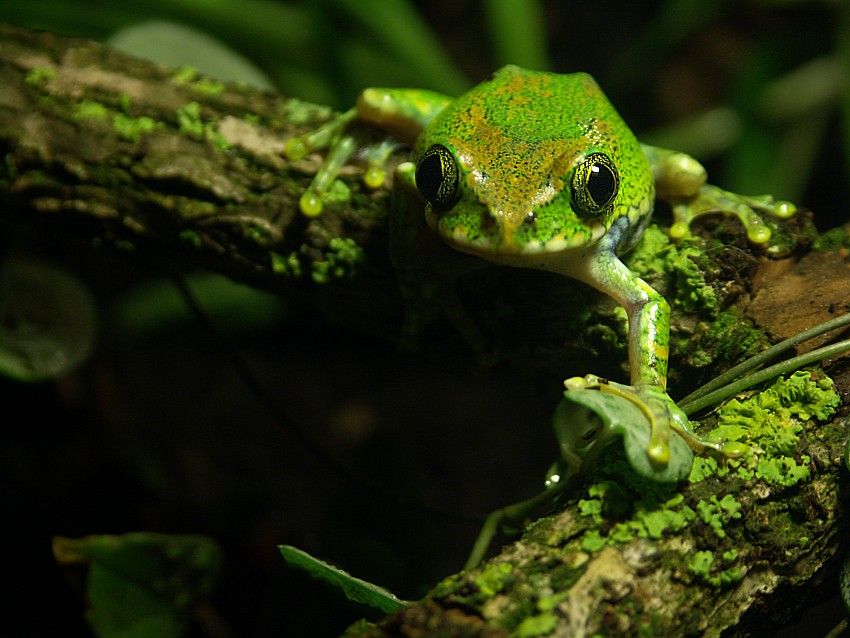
[[660, 411], [749, 209]]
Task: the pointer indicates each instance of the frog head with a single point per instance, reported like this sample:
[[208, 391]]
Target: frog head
[[529, 164]]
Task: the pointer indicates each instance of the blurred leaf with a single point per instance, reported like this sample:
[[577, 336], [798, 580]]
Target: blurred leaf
[[157, 305], [704, 135], [842, 39], [48, 320], [178, 45], [656, 40], [397, 31], [141, 584], [518, 33], [356, 590]]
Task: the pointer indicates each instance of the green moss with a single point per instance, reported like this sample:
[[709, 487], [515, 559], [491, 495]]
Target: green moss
[[447, 586], [706, 466], [124, 103], [190, 77], [191, 237], [185, 74], [39, 76], [593, 541], [90, 109], [190, 122], [715, 513], [539, 625], [646, 517], [700, 563], [493, 578], [286, 265], [733, 337], [342, 259], [773, 418], [207, 87], [770, 422], [656, 522], [726, 577], [680, 262], [834, 239], [784, 471], [132, 128]]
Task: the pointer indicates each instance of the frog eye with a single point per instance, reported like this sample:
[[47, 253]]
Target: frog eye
[[594, 185], [437, 177]]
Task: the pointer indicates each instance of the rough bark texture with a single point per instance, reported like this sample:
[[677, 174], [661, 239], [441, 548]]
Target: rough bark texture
[[140, 156]]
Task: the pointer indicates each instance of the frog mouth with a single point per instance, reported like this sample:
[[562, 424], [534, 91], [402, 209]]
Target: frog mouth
[[486, 237]]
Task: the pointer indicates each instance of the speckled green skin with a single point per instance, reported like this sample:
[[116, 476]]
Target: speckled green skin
[[517, 141]]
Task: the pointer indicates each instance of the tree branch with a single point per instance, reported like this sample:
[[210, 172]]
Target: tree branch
[[135, 154]]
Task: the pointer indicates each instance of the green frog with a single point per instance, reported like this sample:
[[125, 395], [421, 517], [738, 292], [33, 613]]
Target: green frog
[[538, 170]]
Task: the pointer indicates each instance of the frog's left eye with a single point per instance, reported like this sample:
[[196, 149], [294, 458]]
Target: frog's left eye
[[594, 185], [437, 177]]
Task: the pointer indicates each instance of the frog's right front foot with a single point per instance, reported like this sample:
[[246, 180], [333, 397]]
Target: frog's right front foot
[[661, 414]]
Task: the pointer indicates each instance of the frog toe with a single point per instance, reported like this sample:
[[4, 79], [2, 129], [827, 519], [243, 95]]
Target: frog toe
[[750, 210]]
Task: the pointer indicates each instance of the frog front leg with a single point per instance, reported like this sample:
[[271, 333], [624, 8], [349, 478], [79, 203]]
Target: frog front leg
[[400, 114], [649, 337], [680, 180]]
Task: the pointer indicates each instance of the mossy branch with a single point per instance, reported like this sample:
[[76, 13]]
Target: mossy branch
[[130, 153]]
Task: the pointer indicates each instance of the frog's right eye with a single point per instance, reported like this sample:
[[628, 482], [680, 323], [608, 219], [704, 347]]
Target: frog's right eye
[[437, 177]]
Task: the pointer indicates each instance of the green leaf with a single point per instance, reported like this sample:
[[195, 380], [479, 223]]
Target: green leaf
[[620, 417], [141, 584], [181, 45], [48, 320], [356, 590]]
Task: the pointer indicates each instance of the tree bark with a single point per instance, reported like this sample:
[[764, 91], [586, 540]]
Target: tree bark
[[136, 155], [165, 162]]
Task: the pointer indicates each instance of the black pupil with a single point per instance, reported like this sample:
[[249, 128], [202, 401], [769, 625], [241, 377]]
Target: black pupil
[[429, 176], [601, 184]]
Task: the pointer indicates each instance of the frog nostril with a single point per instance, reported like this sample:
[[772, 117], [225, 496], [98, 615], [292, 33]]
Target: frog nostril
[[489, 222]]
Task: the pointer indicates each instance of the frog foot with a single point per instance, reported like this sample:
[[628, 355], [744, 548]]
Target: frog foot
[[341, 142], [662, 414], [711, 199]]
